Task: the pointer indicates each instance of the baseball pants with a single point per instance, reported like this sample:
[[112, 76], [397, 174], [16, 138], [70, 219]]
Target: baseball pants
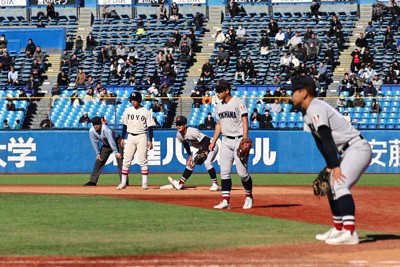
[[135, 143], [228, 154]]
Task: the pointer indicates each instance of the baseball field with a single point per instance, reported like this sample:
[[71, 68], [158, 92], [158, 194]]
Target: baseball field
[[52, 220]]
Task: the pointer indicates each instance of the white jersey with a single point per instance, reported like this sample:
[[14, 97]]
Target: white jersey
[[230, 116], [194, 137], [321, 113], [137, 121]]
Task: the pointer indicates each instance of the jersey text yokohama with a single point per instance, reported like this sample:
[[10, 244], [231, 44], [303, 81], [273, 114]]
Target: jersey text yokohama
[[230, 116], [137, 121], [194, 137], [321, 113]]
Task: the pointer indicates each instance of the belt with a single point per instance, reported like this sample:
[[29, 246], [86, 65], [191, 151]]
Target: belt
[[234, 137], [352, 141], [134, 134]]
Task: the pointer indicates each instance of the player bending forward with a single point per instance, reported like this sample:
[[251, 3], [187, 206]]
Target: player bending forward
[[138, 123], [233, 124], [192, 136], [334, 135]]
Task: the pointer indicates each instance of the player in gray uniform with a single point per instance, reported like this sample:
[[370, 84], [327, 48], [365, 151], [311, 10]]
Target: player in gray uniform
[[192, 136], [138, 122], [334, 135], [233, 124], [110, 140]]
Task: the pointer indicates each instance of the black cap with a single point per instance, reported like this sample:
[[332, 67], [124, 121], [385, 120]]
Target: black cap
[[222, 86], [96, 120], [302, 82], [180, 120], [135, 96]]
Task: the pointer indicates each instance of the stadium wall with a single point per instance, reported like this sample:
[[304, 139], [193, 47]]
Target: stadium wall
[[273, 152]]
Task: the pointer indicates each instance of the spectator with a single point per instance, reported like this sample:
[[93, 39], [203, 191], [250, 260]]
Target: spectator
[[185, 39], [80, 78], [395, 12], [240, 69], [206, 100], [222, 57], [3, 44], [307, 34], [90, 42], [196, 98], [6, 62], [174, 12], [266, 121], [78, 45], [152, 90], [165, 79], [40, 24], [111, 98], [64, 61], [39, 56], [392, 74], [276, 106], [376, 82], [186, 53], [103, 120], [55, 94], [346, 116], [219, 38], [279, 39], [73, 64], [162, 12], [339, 37], [160, 59], [268, 97], [329, 56], [139, 24], [89, 95], [51, 12], [359, 101], [23, 95], [12, 76], [241, 34], [32, 85], [294, 41], [356, 61], [255, 116], [85, 118], [341, 102], [198, 21], [30, 48], [273, 27], [370, 31], [362, 43], [170, 62], [102, 56], [264, 45], [388, 41], [133, 55], [46, 123], [378, 11], [233, 8], [90, 82], [370, 90], [111, 52], [284, 62], [75, 100], [209, 122], [18, 125], [177, 37], [10, 106], [155, 107], [276, 80], [104, 12], [207, 70], [62, 79], [368, 58], [289, 34], [375, 107], [314, 9], [313, 40], [250, 70], [334, 26], [169, 46], [201, 84], [6, 125]]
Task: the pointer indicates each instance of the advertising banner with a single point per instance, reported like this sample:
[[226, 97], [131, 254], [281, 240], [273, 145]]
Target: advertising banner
[[272, 152], [151, 2], [190, 1], [114, 2], [55, 2], [6, 3]]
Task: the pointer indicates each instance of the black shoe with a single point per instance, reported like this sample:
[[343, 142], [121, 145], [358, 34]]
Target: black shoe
[[90, 183]]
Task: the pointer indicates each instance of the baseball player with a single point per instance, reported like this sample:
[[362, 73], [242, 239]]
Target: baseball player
[[334, 135], [232, 123], [100, 133], [192, 136], [138, 123]]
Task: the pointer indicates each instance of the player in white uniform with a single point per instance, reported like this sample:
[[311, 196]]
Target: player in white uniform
[[231, 114], [334, 135], [192, 136], [138, 123]]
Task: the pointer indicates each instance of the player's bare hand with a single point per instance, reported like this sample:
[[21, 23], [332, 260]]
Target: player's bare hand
[[189, 161], [122, 142], [119, 156], [150, 145], [337, 175], [211, 147], [98, 157]]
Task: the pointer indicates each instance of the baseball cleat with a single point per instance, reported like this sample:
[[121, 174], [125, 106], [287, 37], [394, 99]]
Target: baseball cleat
[[223, 205], [248, 203], [90, 183], [175, 183], [346, 238], [121, 186], [144, 187], [331, 233], [214, 187]]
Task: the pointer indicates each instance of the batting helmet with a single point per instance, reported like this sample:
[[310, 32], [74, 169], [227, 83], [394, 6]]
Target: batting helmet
[[135, 96]]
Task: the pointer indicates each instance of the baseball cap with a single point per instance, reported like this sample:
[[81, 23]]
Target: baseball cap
[[302, 82], [96, 121], [222, 86], [180, 120]]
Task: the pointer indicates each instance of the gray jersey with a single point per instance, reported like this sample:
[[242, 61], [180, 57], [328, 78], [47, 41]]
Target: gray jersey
[[321, 113], [195, 138], [230, 116]]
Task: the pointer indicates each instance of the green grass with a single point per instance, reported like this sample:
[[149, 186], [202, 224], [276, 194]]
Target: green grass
[[100, 226], [196, 179]]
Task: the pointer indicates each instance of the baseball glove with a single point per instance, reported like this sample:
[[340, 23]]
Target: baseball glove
[[200, 158], [321, 185], [243, 150]]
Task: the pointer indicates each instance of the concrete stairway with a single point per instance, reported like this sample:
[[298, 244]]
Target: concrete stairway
[[345, 58], [207, 43]]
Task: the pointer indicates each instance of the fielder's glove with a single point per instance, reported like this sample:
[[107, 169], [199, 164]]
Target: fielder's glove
[[243, 150], [200, 158], [321, 185]]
